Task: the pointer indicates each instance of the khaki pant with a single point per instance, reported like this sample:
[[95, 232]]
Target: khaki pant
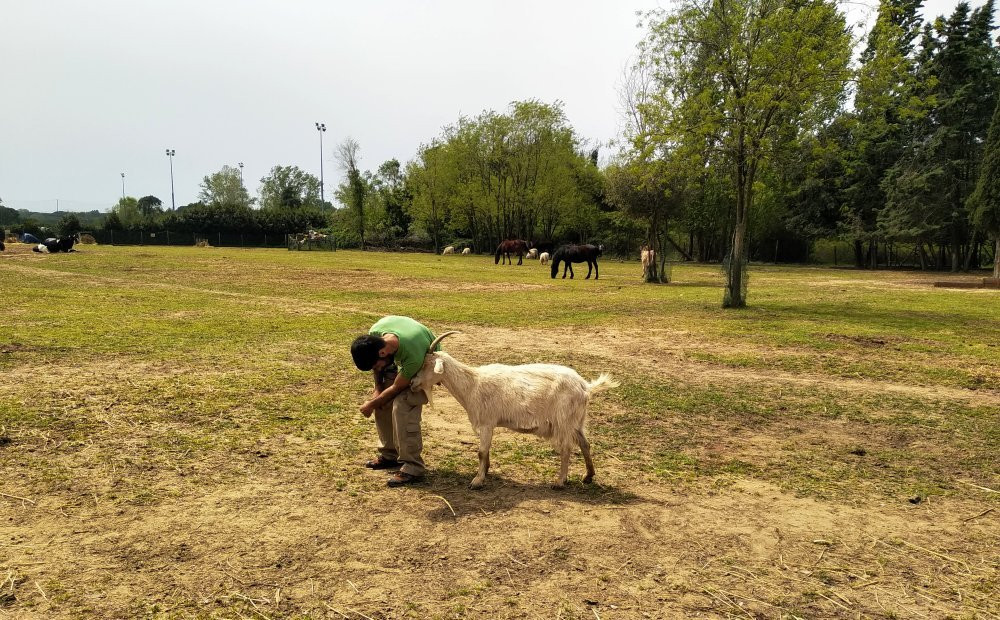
[[398, 425]]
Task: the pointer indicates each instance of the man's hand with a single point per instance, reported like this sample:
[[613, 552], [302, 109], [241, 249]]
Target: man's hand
[[368, 408]]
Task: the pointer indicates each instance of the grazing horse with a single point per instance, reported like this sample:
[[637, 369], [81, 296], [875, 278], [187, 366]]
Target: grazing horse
[[511, 246], [577, 254]]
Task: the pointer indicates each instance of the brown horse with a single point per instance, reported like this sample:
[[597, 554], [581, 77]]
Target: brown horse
[[511, 246]]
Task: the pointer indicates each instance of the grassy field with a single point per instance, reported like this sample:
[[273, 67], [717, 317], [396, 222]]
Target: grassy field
[[179, 437]]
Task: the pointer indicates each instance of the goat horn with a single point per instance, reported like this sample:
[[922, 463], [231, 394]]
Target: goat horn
[[439, 339]]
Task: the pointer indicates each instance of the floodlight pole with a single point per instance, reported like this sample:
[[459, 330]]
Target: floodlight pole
[[321, 128], [173, 202]]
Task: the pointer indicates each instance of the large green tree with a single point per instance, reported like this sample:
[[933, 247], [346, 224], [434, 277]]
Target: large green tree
[[149, 205], [126, 213], [289, 187], [391, 187], [733, 76], [928, 187], [353, 191], [432, 177], [885, 110], [225, 188], [517, 174], [984, 203]]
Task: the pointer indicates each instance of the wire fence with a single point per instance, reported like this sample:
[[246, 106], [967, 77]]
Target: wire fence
[[215, 239]]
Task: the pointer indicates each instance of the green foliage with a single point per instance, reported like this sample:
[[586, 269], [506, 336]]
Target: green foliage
[[69, 224], [225, 189], [289, 187], [8, 216], [984, 203], [127, 213], [354, 191], [149, 205], [513, 175], [928, 188], [732, 84]]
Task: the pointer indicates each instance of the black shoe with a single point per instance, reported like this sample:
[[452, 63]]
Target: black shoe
[[401, 478], [382, 463]]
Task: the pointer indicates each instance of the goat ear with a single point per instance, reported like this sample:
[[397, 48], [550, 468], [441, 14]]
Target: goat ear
[[439, 366]]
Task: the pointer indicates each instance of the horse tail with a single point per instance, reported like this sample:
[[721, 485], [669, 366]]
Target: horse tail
[[496, 258]]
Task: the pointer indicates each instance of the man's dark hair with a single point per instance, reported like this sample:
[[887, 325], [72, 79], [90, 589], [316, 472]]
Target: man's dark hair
[[365, 350]]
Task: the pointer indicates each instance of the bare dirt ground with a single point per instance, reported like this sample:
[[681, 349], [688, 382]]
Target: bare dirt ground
[[284, 544], [287, 528]]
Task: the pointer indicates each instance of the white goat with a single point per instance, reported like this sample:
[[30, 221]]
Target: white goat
[[648, 258], [542, 399], [449, 250], [543, 258], [532, 253], [467, 251]]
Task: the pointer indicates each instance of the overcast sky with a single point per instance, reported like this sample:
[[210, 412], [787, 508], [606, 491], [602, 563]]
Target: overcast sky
[[89, 90]]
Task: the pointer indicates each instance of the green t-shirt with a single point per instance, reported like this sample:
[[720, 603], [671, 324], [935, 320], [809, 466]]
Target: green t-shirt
[[414, 340]]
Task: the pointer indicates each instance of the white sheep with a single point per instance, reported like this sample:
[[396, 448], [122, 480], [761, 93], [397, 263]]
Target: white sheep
[[449, 250], [543, 258], [467, 251], [542, 399], [532, 253]]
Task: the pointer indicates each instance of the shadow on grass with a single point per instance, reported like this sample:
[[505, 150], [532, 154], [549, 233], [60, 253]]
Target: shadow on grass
[[695, 284], [502, 494]]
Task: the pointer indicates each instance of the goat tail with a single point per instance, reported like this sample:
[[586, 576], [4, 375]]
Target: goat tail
[[601, 384]]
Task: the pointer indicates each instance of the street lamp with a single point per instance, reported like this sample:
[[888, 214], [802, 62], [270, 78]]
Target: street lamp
[[123, 186], [321, 127], [173, 203], [241, 174]]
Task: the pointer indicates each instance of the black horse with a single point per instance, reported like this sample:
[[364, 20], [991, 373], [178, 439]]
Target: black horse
[[62, 244], [577, 254]]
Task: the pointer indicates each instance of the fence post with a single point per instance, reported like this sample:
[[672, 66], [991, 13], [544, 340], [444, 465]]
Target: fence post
[[220, 238]]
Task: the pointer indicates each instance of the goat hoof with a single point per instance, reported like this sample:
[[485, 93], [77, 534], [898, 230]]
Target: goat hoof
[[559, 486], [476, 485]]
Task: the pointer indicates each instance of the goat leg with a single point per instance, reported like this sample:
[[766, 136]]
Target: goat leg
[[563, 467], [581, 439], [485, 440]]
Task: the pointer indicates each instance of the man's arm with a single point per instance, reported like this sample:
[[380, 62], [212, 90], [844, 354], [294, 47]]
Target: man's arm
[[386, 396]]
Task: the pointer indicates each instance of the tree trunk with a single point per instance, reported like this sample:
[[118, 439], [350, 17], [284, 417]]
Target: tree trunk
[[996, 259], [734, 271], [859, 258], [956, 249], [972, 251]]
